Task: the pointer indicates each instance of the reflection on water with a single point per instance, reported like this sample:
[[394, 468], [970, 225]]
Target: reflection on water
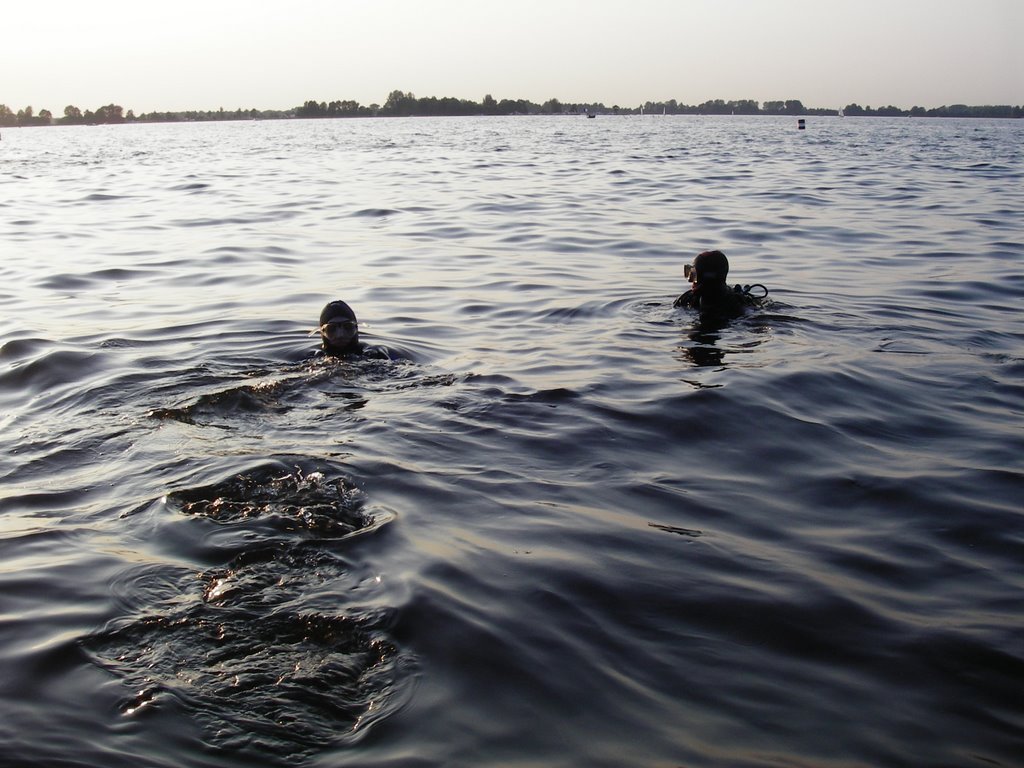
[[570, 525], [246, 646], [702, 349], [719, 342]]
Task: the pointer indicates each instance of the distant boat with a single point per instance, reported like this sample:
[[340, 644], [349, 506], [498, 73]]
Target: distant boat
[[591, 114]]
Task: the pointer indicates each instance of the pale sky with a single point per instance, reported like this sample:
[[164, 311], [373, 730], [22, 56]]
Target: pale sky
[[207, 54]]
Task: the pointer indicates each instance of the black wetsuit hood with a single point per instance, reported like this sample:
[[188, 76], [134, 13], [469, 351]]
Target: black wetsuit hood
[[346, 339]]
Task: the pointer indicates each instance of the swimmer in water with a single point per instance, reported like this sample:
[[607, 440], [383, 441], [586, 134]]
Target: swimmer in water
[[339, 333], [339, 330], [709, 294]]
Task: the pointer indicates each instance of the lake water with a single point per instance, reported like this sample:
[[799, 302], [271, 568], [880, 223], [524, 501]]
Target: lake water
[[568, 526]]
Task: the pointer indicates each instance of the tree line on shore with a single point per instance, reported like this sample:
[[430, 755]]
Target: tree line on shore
[[402, 104]]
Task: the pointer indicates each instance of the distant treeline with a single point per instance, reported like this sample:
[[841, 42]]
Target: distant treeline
[[401, 104]]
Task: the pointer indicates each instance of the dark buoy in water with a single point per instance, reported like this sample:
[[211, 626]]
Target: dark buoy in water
[[800, 124]]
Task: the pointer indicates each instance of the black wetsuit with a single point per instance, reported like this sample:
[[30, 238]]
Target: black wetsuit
[[715, 301], [358, 349]]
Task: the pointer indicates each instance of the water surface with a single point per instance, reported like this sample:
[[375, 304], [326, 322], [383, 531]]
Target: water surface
[[567, 525]]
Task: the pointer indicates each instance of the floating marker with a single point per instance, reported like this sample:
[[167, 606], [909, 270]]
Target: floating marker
[[800, 124]]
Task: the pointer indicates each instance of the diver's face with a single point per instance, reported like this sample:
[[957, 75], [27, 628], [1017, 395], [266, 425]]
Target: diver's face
[[690, 272], [339, 333]]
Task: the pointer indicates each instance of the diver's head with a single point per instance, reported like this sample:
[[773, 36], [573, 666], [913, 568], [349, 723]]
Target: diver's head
[[339, 329], [709, 268]]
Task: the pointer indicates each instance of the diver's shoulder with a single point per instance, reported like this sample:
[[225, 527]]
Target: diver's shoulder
[[684, 300], [368, 351], [378, 352]]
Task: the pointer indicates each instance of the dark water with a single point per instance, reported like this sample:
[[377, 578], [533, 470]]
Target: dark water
[[568, 526]]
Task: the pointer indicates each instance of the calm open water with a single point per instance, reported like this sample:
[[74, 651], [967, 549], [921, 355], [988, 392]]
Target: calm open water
[[569, 526]]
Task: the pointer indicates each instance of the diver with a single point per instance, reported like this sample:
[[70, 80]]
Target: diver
[[709, 293], [339, 333]]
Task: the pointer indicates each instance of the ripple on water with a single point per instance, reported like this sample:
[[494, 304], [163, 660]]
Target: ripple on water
[[793, 539], [54, 369], [266, 650]]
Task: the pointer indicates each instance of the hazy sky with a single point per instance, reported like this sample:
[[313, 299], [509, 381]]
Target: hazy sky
[[185, 54]]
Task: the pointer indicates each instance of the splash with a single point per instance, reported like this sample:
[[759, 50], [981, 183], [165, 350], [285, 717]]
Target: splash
[[265, 652]]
